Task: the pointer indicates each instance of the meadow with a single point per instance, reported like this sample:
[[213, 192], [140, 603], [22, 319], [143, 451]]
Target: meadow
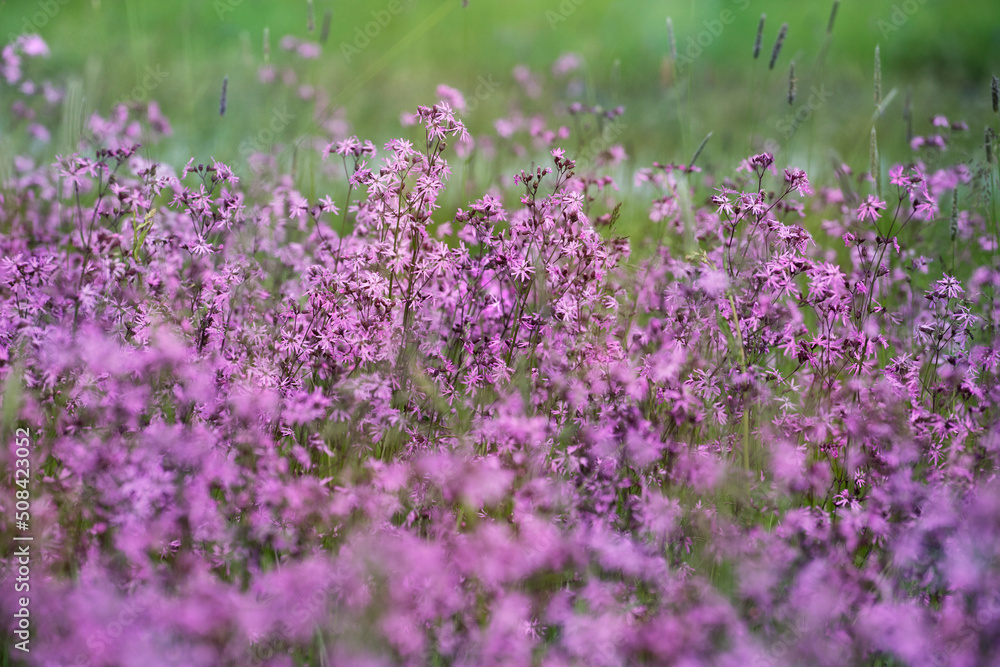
[[565, 333]]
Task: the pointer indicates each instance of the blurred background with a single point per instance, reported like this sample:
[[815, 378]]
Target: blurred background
[[378, 58]]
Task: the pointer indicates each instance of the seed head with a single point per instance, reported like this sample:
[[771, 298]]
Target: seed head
[[760, 36], [791, 85], [671, 40], [325, 32], [310, 16], [878, 77], [697, 153], [222, 102], [996, 94], [833, 17], [267, 45], [782, 31]]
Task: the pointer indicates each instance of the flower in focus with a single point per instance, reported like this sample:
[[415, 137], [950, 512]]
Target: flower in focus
[[870, 208]]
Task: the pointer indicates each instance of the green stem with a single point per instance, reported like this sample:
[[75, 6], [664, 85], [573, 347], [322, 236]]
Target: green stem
[[745, 427]]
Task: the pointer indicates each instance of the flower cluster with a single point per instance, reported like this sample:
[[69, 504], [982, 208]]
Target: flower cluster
[[277, 428]]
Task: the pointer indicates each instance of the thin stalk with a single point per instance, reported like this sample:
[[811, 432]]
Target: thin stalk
[[745, 426]]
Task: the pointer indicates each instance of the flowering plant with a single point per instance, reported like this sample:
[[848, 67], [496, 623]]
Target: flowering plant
[[275, 426]]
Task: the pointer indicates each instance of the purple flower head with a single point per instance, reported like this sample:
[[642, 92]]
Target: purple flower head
[[796, 179], [440, 121], [758, 164], [452, 97], [870, 208]]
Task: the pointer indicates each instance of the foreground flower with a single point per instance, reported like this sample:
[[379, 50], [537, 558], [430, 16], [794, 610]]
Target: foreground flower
[[870, 208]]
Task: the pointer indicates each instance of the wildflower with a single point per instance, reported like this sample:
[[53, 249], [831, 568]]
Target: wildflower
[[33, 46], [451, 96], [946, 288], [567, 64], [762, 161], [529, 83], [308, 50], [925, 206], [870, 209], [441, 121], [723, 202], [757, 163], [298, 207], [202, 247], [899, 177], [327, 205], [796, 179]]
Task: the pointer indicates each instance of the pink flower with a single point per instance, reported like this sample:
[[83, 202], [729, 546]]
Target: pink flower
[[33, 46], [452, 97], [870, 209], [309, 50], [797, 180], [567, 64]]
